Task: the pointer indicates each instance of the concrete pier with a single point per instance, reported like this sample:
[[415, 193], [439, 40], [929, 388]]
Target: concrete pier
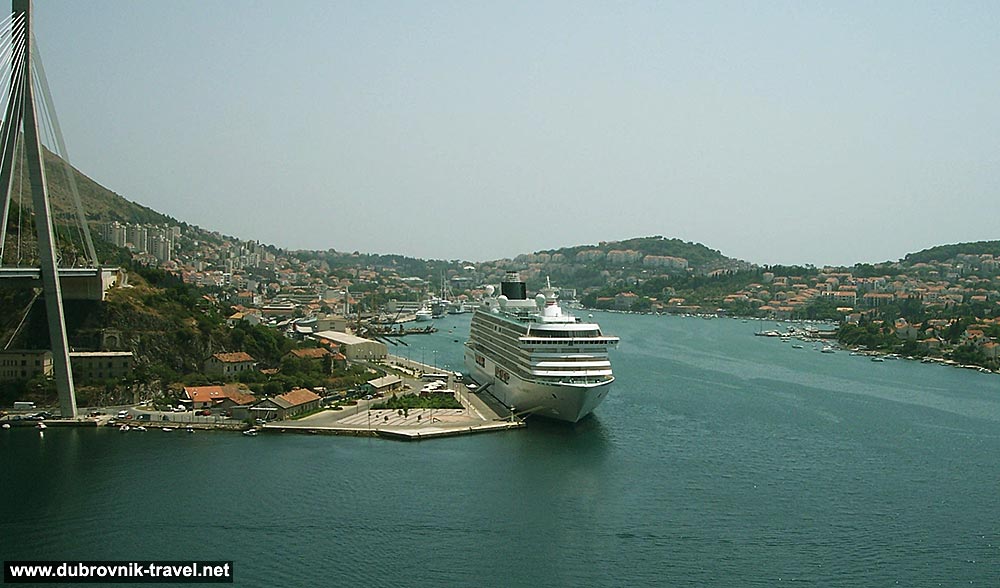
[[475, 416]]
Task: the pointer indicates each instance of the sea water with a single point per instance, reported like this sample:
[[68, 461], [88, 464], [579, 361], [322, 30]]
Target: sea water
[[718, 459]]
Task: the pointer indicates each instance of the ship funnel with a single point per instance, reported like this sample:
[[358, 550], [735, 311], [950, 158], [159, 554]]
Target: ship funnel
[[513, 288]]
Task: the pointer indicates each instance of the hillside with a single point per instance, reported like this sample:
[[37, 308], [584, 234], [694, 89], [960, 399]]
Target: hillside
[[698, 256], [946, 252], [101, 204]]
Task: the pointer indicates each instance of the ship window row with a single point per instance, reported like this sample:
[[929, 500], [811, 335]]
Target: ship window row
[[512, 351], [566, 341], [542, 334]]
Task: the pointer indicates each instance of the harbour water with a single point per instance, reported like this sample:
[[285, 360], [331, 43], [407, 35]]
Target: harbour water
[[718, 459]]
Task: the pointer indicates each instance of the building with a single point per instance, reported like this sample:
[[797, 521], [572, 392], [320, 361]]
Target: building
[[93, 366], [217, 396], [229, 364], [354, 348], [25, 364], [310, 353], [385, 384], [287, 405]]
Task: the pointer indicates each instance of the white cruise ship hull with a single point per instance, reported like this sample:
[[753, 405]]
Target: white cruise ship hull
[[560, 401]]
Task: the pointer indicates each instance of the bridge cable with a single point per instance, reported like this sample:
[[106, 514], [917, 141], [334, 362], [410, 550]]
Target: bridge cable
[[60, 144], [17, 162], [24, 317], [13, 112], [18, 157], [48, 133]]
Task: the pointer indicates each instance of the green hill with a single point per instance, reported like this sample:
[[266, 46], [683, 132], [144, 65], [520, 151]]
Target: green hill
[[946, 252]]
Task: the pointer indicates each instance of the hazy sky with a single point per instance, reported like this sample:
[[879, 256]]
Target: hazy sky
[[823, 132]]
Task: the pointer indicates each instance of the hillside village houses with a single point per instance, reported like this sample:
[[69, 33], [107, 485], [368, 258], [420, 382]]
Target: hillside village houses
[[267, 286]]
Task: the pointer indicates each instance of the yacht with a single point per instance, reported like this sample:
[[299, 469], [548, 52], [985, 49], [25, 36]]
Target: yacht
[[424, 314], [535, 358]]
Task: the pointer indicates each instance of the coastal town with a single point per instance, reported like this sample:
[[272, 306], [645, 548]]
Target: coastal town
[[317, 326]]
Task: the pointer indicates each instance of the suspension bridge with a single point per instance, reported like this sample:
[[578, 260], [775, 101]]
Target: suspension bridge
[[60, 258]]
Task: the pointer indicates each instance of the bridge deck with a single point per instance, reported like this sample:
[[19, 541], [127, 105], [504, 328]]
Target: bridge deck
[[78, 283], [64, 272]]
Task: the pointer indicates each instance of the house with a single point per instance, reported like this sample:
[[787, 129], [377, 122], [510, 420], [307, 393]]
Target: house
[[317, 353], [249, 316], [905, 330], [625, 300], [286, 405], [217, 396], [229, 364], [991, 350]]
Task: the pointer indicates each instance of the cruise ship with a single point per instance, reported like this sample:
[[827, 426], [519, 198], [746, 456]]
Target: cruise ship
[[536, 359]]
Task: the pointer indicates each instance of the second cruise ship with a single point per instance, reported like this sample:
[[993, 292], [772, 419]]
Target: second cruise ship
[[535, 358]]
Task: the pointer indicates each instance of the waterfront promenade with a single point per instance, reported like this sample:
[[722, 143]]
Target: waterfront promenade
[[476, 415]]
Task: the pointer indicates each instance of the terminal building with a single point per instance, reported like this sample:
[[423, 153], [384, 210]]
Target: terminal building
[[354, 348]]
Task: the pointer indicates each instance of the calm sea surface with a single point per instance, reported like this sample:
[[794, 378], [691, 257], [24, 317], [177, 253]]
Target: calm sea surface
[[719, 459]]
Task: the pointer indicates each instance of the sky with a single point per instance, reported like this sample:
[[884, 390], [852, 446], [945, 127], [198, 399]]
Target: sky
[[775, 132]]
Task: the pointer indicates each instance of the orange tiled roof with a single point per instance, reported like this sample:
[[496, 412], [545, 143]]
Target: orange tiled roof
[[217, 394], [237, 357], [296, 397]]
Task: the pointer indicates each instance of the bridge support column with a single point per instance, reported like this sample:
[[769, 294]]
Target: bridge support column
[[51, 288]]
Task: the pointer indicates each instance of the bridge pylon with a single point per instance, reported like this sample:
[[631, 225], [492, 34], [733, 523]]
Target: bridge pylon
[[21, 125]]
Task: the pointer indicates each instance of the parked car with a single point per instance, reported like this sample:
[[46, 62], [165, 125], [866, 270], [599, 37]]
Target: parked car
[[205, 412], [122, 414]]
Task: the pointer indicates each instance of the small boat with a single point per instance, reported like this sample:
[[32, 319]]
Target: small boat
[[250, 432], [123, 428], [41, 426], [167, 429], [828, 349], [796, 346], [189, 429], [139, 428], [6, 425], [878, 359]]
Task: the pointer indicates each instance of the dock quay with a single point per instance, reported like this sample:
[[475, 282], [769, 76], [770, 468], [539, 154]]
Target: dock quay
[[78, 422], [480, 413], [416, 424]]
